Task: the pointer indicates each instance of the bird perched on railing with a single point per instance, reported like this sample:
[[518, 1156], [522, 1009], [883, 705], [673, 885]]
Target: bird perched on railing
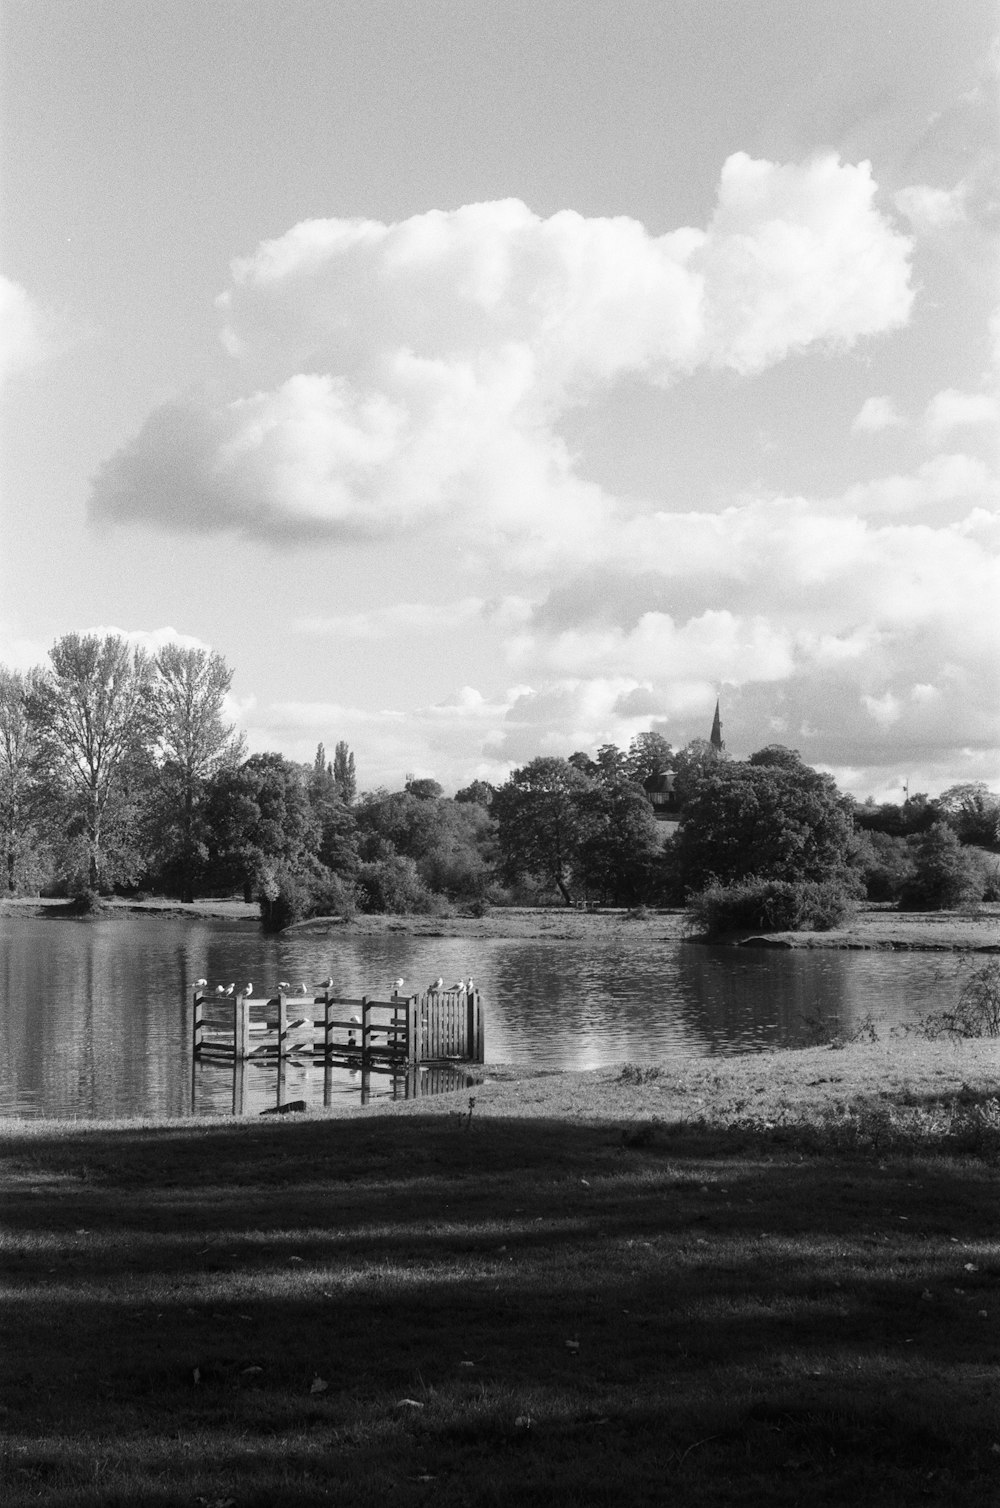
[[220, 989], [283, 985], [200, 984], [230, 988], [303, 988], [458, 988], [397, 984], [435, 985], [249, 988]]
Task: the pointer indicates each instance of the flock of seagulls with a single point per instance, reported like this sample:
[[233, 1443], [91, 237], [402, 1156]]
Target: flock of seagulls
[[461, 986]]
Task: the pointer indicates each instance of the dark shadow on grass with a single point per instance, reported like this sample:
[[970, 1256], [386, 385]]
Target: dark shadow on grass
[[699, 1310]]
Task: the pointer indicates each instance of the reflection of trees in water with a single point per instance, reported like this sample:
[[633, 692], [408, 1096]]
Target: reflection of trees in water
[[97, 1016], [572, 1005], [741, 998], [738, 999]]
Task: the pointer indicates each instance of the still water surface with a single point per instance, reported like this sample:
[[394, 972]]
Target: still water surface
[[95, 1017]]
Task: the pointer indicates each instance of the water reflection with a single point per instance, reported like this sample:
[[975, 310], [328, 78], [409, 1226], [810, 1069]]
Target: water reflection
[[97, 1015], [254, 1088]]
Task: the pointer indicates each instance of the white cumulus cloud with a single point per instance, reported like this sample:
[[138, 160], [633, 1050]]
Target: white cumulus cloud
[[396, 374], [951, 409], [25, 330], [876, 414], [931, 209]]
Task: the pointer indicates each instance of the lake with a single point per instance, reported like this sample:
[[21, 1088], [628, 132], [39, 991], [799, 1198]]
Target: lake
[[97, 1015]]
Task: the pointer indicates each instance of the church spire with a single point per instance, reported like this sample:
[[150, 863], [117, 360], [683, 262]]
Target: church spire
[[716, 738]]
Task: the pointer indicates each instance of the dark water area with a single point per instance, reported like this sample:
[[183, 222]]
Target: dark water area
[[96, 1016]]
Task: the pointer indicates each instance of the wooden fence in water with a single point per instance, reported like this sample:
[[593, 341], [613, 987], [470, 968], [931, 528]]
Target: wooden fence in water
[[402, 1031]]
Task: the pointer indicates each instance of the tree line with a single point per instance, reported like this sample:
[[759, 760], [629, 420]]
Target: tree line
[[119, 772]]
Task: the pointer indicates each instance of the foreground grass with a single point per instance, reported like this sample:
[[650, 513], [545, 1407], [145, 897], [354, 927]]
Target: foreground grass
[[451, 1309]]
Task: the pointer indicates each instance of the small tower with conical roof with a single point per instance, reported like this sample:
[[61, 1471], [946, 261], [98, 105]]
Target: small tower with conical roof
[[716, 736]]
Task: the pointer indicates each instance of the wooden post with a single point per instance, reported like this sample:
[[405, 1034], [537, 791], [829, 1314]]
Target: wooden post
[[475, 1043], [199, 1023], [413, 1030], [432, 1017], [282, 1025], [239, 1086], [241, 1027], [365, 1030], [327, 1026]]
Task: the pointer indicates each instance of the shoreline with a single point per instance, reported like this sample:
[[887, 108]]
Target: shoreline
[[873, 929], [786, 1088]]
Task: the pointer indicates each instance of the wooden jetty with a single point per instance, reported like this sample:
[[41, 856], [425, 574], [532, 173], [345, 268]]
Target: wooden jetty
[[439, 1026]]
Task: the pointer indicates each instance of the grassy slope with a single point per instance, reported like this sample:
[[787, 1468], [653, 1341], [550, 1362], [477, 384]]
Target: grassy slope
[[605, 1299]]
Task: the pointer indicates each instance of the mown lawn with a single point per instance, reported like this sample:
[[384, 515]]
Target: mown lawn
[[427, 1310]]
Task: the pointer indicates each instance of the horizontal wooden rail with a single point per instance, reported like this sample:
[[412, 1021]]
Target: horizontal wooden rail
[[441, 1025]]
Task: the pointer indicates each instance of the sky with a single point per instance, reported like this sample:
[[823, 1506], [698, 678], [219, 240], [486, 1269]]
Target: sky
[[494, 378]]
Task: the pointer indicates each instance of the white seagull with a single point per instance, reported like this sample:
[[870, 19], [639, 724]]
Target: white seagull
[[200, 984], [249, 988]]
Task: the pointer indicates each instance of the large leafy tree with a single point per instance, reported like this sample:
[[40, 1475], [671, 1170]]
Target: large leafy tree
[[19, 809], [772, 817], [621, 855], [337, 845], [194, 740], [696, 762], [93, 715], [945, 875], [344, 774], [542, 822], [972, 811], [450, 842], [260, 822], [648, 754]]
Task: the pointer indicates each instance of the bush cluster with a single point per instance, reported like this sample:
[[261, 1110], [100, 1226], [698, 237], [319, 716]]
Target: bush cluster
[[770, 906]]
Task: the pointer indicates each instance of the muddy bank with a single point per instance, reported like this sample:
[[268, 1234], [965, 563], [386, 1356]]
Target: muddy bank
[[876, 928]]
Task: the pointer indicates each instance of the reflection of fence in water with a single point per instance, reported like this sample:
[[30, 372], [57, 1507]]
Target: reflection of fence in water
[[247, 1085]]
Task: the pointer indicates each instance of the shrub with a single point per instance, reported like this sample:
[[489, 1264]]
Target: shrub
[[988, 866], [332, 895], [637, 1073], [885, 864], [945, 876], [86, 902], [977, 1011], [393, 884], [289, 895], [283, 899], [770, 906]]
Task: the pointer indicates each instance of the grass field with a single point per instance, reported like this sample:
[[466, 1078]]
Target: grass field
[[617, 1289]]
